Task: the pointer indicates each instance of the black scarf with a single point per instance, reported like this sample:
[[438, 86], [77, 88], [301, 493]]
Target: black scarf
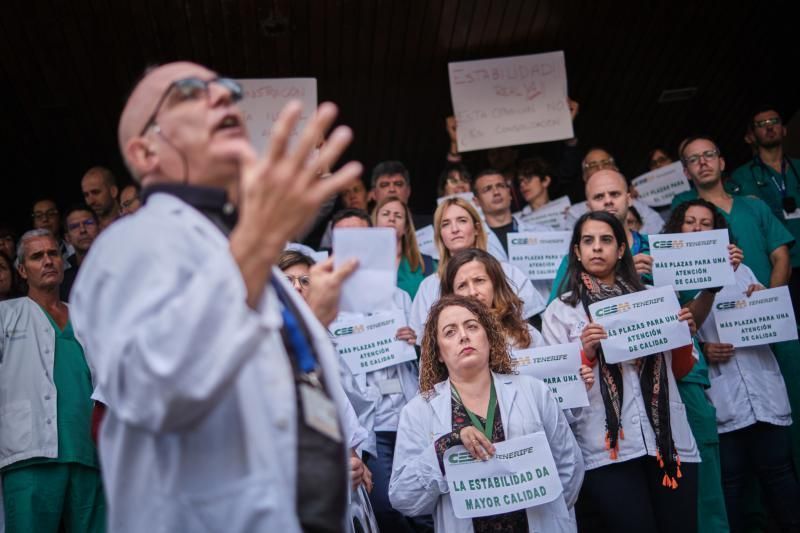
[[652, 380]]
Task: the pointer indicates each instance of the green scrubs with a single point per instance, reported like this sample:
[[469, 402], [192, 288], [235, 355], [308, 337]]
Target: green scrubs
[[41, 492], [756, 231], [409, 280], [760, 180]]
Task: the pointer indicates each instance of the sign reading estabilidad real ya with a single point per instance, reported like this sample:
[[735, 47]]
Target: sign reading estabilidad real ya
[[695, 260], [510, 100], [521, 474]]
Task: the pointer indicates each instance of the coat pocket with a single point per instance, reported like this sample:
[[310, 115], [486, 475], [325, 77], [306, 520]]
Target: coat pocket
[[16, 427]]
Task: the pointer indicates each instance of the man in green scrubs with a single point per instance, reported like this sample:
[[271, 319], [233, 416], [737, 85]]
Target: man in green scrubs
[[774, 178], [764, 242], [48, 462]]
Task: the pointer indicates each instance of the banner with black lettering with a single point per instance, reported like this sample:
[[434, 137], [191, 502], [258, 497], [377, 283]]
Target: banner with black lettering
[[765, 317], [558, 365], [639, 324], [521, 474], [367, 343], [688, 261]]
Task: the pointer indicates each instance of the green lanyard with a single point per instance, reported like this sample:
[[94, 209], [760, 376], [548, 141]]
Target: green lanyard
[[489, 414]]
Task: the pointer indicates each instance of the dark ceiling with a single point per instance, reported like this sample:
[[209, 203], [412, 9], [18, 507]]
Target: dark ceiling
[[66, 66]]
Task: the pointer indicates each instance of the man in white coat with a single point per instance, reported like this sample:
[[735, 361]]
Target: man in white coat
[[224, 411]]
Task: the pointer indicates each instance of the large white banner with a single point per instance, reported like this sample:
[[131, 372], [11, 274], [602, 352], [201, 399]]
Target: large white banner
[[368, 343], [538, 254], [765, 317], [510, 100], [265, 97], [658, 187], [696, 260], [558, 365], [641, 323], [521, 474]]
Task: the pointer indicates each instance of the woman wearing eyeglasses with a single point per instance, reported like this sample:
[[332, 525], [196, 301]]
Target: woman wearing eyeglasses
[[454, 179], [638, 448], [457, 226], [470, 397], [748, 391]]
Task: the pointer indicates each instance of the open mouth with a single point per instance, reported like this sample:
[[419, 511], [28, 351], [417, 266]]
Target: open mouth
[[229, 122]]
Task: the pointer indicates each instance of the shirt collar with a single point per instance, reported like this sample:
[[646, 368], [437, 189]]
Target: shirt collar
[[211, 201]]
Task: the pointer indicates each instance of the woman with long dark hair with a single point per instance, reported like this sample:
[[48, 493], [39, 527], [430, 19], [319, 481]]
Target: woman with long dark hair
[[639, 452]]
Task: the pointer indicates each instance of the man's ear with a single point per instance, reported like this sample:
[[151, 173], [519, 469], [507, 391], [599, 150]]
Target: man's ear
[[22, 272], [721, 164], [546, 181], [139, 154]]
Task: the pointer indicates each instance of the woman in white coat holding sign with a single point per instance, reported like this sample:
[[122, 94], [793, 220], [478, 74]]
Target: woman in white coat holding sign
[[457, 226], [470, 397], [639, 452]]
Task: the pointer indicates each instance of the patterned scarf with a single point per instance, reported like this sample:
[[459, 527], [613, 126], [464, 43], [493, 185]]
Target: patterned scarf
[[653, 383]]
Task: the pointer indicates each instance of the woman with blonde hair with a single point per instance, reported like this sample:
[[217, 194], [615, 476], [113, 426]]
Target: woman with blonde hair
[[412, 265], [457, 226], [469, 396]]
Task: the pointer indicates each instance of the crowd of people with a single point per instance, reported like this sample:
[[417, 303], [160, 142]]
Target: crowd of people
[[192, 382]]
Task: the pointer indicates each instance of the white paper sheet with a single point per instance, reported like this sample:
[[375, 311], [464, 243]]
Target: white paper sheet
[[369, 289]]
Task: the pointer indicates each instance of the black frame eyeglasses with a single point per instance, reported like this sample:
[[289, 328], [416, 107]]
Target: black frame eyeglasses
[[192, 88]]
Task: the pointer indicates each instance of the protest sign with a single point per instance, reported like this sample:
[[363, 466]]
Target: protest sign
[[658, 187], [557, 365], [640, 323], [695, 260], [551, 214], [538, 254], [369, 289], [425, 241], [521, 474], [765, 317], [265, 97], [510, 100], [367, 343]]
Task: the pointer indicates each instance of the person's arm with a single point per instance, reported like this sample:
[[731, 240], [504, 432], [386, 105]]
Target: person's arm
[[416, 483], [700, 306], [781, 266]]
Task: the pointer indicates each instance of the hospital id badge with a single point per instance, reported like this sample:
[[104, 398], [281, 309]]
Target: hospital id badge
[[319, 412], [793, 214]]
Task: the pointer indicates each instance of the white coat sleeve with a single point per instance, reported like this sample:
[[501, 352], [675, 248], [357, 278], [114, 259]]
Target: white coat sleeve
[[364, 407], [566, 452], [652, 222], [167, 328], [427, 293], [555, 323], [417, 482], [532, 301]]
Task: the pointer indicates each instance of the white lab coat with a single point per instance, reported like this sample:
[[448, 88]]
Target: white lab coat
[[387, 406], [652, 222], [200, 433], [749, 387], [562, 324], [526, 404], [428, 293]]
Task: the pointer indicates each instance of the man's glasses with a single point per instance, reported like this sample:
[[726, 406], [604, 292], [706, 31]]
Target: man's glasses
[[304, 281], [600, 164], [44, 215], [88, 223], [708, 155], [767, 122], [192, 88]]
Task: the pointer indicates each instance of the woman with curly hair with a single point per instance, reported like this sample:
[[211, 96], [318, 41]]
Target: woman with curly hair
[[470, 397], [457, 226]]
